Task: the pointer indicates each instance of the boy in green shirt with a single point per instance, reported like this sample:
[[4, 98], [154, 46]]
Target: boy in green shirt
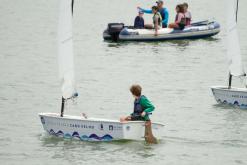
[[142, 106]]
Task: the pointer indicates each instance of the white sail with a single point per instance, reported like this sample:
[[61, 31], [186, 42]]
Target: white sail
[[233, 47], [65, 49]]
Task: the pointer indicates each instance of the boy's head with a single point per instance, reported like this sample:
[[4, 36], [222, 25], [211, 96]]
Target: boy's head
[[155, 9], [136, 90], [140, 13]]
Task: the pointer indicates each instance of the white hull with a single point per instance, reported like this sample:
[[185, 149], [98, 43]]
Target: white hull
[[93, 129], [190, 32], [166, 34], [233, 96]]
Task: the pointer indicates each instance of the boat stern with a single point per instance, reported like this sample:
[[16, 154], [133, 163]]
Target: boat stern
[[135, 130]]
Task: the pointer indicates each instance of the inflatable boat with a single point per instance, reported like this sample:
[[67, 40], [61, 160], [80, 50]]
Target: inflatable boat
[[203, 29]]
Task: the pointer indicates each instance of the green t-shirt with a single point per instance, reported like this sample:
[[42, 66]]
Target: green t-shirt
[[147, 106]]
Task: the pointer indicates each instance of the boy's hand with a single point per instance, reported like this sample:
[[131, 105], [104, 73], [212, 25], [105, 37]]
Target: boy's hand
[[156, 33], [143, 114]]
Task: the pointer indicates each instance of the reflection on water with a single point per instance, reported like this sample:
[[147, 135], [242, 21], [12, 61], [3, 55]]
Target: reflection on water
[[80, 151], [181, 45]]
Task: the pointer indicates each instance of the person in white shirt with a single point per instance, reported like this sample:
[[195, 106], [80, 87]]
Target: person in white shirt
[[187, 14]]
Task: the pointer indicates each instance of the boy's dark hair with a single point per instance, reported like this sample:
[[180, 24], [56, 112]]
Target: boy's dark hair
[[155, 8], [136, 90], [186, 4]]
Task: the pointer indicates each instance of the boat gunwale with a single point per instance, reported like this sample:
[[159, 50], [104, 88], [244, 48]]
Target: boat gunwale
[[232, 89], [78, 118]]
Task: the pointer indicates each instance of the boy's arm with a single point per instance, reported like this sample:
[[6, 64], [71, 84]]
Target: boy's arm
[[165, 21], [145, 11], [147, 105], [156, 26]]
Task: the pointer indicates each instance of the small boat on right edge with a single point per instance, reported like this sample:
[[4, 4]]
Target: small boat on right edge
[[227, 94], [197, 30]]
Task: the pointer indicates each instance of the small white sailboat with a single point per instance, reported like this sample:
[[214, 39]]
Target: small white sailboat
[[81, 127], [228, 94]]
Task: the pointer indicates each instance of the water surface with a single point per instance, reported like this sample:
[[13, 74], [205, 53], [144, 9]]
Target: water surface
[[175, 75]]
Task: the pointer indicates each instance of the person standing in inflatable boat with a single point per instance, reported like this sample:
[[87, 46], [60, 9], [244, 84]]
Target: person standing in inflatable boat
[[162, 10], [142, 106]]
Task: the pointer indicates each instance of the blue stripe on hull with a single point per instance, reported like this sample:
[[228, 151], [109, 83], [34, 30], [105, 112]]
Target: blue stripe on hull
[[92, 137], [236, 104]]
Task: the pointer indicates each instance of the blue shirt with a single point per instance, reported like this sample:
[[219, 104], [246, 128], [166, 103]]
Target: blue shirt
[[164, 14]]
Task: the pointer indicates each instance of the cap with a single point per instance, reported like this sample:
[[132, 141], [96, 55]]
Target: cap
[[159, 1], [140, 12]]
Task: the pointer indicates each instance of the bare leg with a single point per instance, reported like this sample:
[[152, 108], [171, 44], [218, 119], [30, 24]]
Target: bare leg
[[149, 26], [149, 137], [125, 119], [173, 25]]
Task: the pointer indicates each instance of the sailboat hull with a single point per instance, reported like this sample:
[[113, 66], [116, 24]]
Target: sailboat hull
[[93, 129], [232, 96]]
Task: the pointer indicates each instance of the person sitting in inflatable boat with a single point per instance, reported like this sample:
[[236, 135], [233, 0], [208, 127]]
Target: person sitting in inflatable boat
[[142, 106], [187, 14], [139, 21], [157, 21], [180, 20], [162, 10]]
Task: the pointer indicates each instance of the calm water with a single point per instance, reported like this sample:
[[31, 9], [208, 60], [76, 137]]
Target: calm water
[[175, 75]]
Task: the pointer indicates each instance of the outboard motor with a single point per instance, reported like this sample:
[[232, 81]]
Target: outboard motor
[[114, 29]]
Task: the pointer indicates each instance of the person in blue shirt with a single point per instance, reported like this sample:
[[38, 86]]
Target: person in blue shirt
[[163, 11], [139, 21]]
